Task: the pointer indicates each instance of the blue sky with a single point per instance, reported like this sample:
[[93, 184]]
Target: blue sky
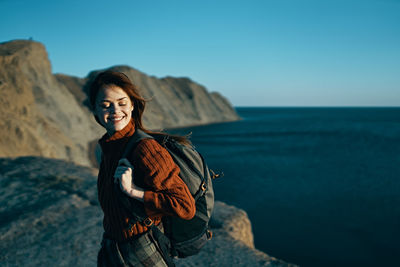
[[256, 53]]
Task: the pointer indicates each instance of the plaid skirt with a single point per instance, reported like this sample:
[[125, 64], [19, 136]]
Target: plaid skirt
[[140, 251]]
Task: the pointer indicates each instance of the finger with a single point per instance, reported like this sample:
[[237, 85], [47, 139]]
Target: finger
[[121, 170], [123, 189], [125, 162], [123, 176]]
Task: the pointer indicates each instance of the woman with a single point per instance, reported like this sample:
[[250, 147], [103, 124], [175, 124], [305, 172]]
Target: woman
[[149, 175]]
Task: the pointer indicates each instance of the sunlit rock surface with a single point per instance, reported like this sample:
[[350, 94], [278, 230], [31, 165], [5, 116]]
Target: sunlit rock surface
[[50, 216]]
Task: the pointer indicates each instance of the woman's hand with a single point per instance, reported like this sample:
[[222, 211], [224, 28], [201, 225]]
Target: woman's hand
[[124, 176]]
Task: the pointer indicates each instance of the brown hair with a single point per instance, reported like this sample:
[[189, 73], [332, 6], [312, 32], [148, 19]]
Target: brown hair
[[121, 80]]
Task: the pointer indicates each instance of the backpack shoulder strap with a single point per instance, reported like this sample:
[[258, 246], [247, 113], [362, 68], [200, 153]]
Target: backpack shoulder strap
[[132, 207], [134, 140]]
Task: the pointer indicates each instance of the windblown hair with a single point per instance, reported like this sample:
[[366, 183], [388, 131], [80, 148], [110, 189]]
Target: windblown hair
[[119, 79]]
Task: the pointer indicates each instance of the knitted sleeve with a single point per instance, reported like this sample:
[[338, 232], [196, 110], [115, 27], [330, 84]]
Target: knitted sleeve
[[168, 194]]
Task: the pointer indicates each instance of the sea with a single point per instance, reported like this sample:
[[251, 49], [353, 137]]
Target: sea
[[321, 186]]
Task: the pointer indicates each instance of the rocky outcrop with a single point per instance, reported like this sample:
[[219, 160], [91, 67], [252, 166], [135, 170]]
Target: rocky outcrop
[[43, 114], [50, 217], [232, 243], [49, 213], [38, 115]]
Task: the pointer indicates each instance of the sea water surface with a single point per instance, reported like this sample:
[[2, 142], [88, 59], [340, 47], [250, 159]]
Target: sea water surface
[[321, 185]]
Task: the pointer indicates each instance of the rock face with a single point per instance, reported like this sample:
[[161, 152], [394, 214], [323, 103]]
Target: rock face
[[50, 216], [44, 114], [38, 115]]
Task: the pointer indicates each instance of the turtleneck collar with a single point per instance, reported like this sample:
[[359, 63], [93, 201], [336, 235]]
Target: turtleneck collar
[[128, 131]]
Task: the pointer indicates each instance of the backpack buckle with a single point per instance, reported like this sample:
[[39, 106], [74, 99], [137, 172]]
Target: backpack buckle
[[209, 234], [203, 186], [148, 222]]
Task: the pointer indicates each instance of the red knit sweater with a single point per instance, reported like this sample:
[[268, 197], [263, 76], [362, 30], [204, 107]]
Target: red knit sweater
[[154, 171]]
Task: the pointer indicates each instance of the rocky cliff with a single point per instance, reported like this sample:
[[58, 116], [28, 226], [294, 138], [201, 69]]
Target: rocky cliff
[[38, 115], [50, 217], [49, 213], [44, 114]]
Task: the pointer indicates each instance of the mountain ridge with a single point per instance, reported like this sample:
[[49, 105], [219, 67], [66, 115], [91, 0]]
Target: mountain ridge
[[46, 114]]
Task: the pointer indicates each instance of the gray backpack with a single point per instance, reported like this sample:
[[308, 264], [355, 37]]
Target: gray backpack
[[186, 237]]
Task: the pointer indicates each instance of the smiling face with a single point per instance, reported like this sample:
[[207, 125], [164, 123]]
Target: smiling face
[[113, 108]]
